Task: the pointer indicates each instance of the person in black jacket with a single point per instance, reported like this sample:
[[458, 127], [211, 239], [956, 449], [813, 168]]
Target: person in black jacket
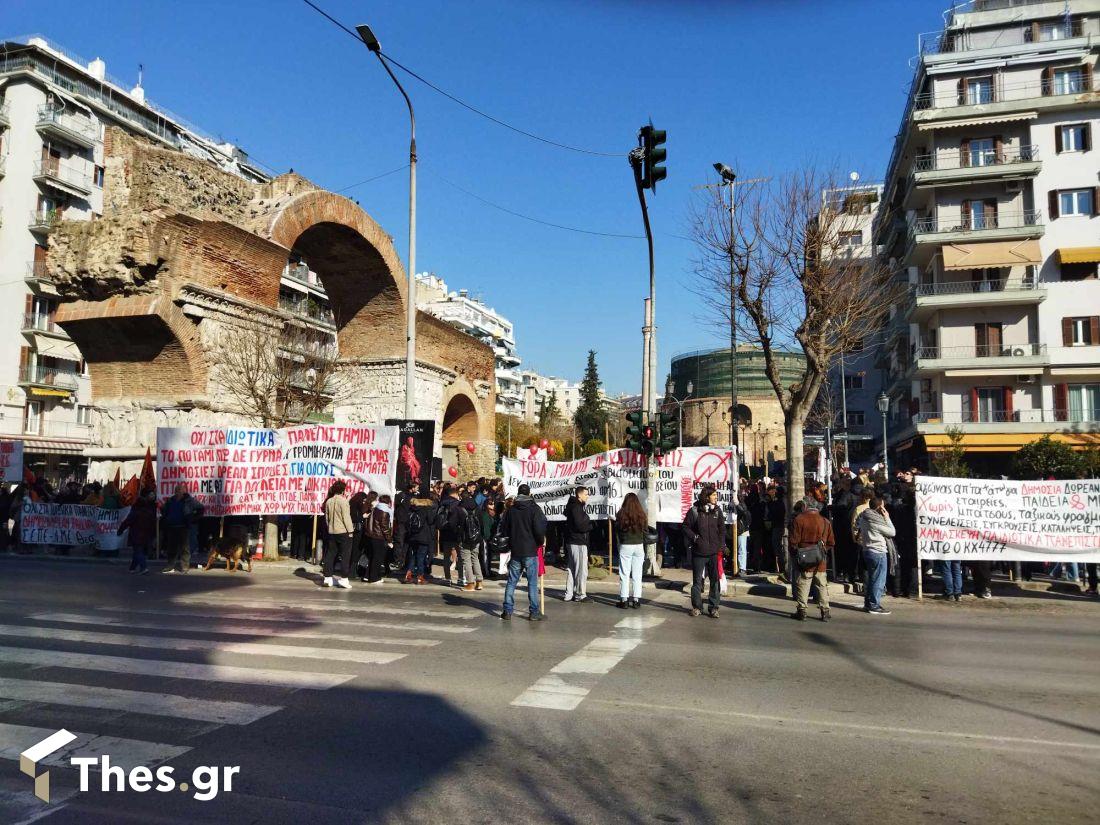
[[451, 516], [775, 522], [420, 526], [525, 526], [705, 531], [577, 527]]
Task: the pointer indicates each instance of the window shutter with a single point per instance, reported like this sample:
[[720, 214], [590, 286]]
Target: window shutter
[[995, 338], [1052, 204], [999, 149], [974, 414], [1094, 330], [1061, 402], [1086, 76], [1058, 140], [29, 308], [964, 153], [989, 209], [1048, 81], [981, 337], [1034, 34], [1086, 142], [962, 91], [1067, 332], [966, 214], [1008, 413], [1076, 27], [1095, 197], [24, 356]]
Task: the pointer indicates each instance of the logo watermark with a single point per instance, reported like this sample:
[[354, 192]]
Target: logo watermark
[[29, 759]]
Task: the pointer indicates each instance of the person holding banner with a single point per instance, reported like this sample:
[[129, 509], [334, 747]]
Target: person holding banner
[[705, 533]]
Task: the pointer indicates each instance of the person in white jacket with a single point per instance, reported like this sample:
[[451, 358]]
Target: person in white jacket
[[875, 530]]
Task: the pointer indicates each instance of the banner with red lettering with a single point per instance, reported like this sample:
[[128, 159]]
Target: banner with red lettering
[[968, 519], [245, 471], [11, 461], [678, 476]]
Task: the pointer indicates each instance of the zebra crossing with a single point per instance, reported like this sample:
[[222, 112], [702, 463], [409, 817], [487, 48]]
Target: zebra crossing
[[136, 683]]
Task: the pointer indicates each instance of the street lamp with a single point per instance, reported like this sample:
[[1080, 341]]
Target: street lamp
[[679, 407], [883, 404], [371, 42], [713, 410]]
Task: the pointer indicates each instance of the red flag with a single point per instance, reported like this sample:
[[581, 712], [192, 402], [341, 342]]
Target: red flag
[[542, 562], [118, 478], [128, 494], [148, 477]]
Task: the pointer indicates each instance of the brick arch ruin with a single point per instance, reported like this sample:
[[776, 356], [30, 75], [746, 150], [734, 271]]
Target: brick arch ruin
[[185, 254]]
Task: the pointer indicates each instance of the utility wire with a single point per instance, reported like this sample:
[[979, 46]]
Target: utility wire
[[369, 180], [461, 102]]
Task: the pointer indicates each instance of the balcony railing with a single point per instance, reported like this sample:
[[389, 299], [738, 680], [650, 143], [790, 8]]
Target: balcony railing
[[70, 430], [306, 309], [43, 220], [49, 377], [975, 287], [1062, 416], [300, 273], [41, 323], [982, 351], [67, 121], [1074, 85], [39, 270], [972, 159], [54, 170], [5, 118], [976, 223]]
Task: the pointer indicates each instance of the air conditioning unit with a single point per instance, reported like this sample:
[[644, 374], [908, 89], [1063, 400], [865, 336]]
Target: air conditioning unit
[[1027, 379], [1019, 352], [1014, 186]]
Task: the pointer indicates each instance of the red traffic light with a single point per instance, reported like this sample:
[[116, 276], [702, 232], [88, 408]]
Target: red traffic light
[[648, 432]]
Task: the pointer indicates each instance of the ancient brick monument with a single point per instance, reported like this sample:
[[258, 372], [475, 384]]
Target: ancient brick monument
[[186, 253]]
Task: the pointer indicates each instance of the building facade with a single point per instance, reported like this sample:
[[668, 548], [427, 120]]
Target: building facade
[[990, 214], [54, 109]]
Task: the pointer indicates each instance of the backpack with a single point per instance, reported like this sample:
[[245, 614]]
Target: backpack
[[471, 528], [415, 522]]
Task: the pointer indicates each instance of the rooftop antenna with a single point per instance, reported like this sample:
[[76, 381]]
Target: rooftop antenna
[[141, 72]]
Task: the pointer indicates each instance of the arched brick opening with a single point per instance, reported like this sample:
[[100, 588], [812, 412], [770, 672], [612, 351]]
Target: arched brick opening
[[460, 421]]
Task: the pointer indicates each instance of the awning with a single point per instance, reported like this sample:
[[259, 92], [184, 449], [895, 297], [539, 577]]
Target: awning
[[55, 347], [991, 254], [1082, 370], [977, 121], [985, 371], [52, 446], [48, 392], [1079, 255], [1008, 442]]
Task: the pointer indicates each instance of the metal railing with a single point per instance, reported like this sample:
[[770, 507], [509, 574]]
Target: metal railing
[[1055, 416], [962, 159], [45, 218], [66, 174], [982, 351], [38, 270], [976, 223], [1074, 85], [300, 273], [975, 287], [306, 309], [72, 430], [49, 377], [63, 119], [4, 111], [41, 323]]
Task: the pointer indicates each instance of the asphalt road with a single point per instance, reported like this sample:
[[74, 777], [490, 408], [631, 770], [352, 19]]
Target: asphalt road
[[417, 704]]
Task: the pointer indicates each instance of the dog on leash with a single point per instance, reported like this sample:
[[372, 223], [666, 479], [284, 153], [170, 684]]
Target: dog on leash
[[233, 550]]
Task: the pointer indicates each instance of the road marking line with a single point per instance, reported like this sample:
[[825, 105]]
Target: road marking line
[[235, 630], [455, 615], [126, 753], [365, 657], [585, 667], [798, 721], [135, 701], [423, 627], [174, 670]]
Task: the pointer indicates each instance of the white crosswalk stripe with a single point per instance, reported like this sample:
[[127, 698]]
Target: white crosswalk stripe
[[353, 607], [126, 753], [284, 618]]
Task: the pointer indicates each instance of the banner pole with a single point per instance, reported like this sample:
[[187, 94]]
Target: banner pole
[[221, 527], [313, 541], [607, 441]]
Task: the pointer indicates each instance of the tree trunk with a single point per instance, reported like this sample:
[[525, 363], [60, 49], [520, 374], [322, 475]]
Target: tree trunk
[[271, 538], [795, 463]]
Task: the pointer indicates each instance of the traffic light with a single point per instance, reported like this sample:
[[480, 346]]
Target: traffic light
[[649, 440], [653, 155], [634, 430], [668, 431]]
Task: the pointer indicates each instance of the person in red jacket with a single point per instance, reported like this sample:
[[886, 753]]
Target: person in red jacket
[[810, 528], [141, 521]]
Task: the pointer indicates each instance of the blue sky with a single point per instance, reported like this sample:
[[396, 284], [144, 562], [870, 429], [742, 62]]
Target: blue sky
[[763, 86]]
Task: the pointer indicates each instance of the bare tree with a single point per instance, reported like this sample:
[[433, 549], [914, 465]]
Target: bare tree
[[277, 376], [790, 272]]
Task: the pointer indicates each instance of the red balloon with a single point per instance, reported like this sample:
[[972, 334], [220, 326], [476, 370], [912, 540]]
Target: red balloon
[[534, 450], [550, 450], [544, 444], [469, 446], [452, 471]]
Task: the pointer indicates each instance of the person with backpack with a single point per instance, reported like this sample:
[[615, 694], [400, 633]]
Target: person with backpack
[[360, 505], [378, 529], [705, 531], [524, 525], [470, 543], [451, 517], [577, 527], [420, 527]]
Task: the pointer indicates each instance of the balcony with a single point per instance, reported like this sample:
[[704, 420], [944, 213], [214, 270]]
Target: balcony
[[1031, 97], [308, 309], [73, 129], [36, 322], [43, 220], [49, 377], [1005, 421], [973, 166], [981, 357], [5, 117], [67, 430], [3, 165], [928, 298], [1001, 226], [61, 178], [38, 278]]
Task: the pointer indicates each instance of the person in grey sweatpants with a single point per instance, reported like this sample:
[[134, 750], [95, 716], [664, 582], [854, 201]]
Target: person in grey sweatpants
[[577, 527]]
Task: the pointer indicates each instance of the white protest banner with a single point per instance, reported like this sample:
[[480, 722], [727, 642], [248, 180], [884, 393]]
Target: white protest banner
[[679, 477], [71, 525], [981, 519], [11, 461], [244, 471]]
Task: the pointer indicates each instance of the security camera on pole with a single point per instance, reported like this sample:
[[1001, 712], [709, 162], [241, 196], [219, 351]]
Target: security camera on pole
[[645, 161]]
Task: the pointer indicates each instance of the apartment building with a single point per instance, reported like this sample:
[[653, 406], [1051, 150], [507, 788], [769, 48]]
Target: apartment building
[[990, 216], [54, 108], [474, 317]]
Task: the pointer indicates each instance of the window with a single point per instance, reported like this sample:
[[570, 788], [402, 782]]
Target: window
[[97, 176], [32, 418], [1073, 202], [987, 340], [851, 238], [982, 152], [1074, 137], [1081, 332], [1078, 272], [1054, 31], [83, 414], [989, 404], [979, 90], [856, 418], [1084, 402], [979, 214], [1069, 81], [853, 382]]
